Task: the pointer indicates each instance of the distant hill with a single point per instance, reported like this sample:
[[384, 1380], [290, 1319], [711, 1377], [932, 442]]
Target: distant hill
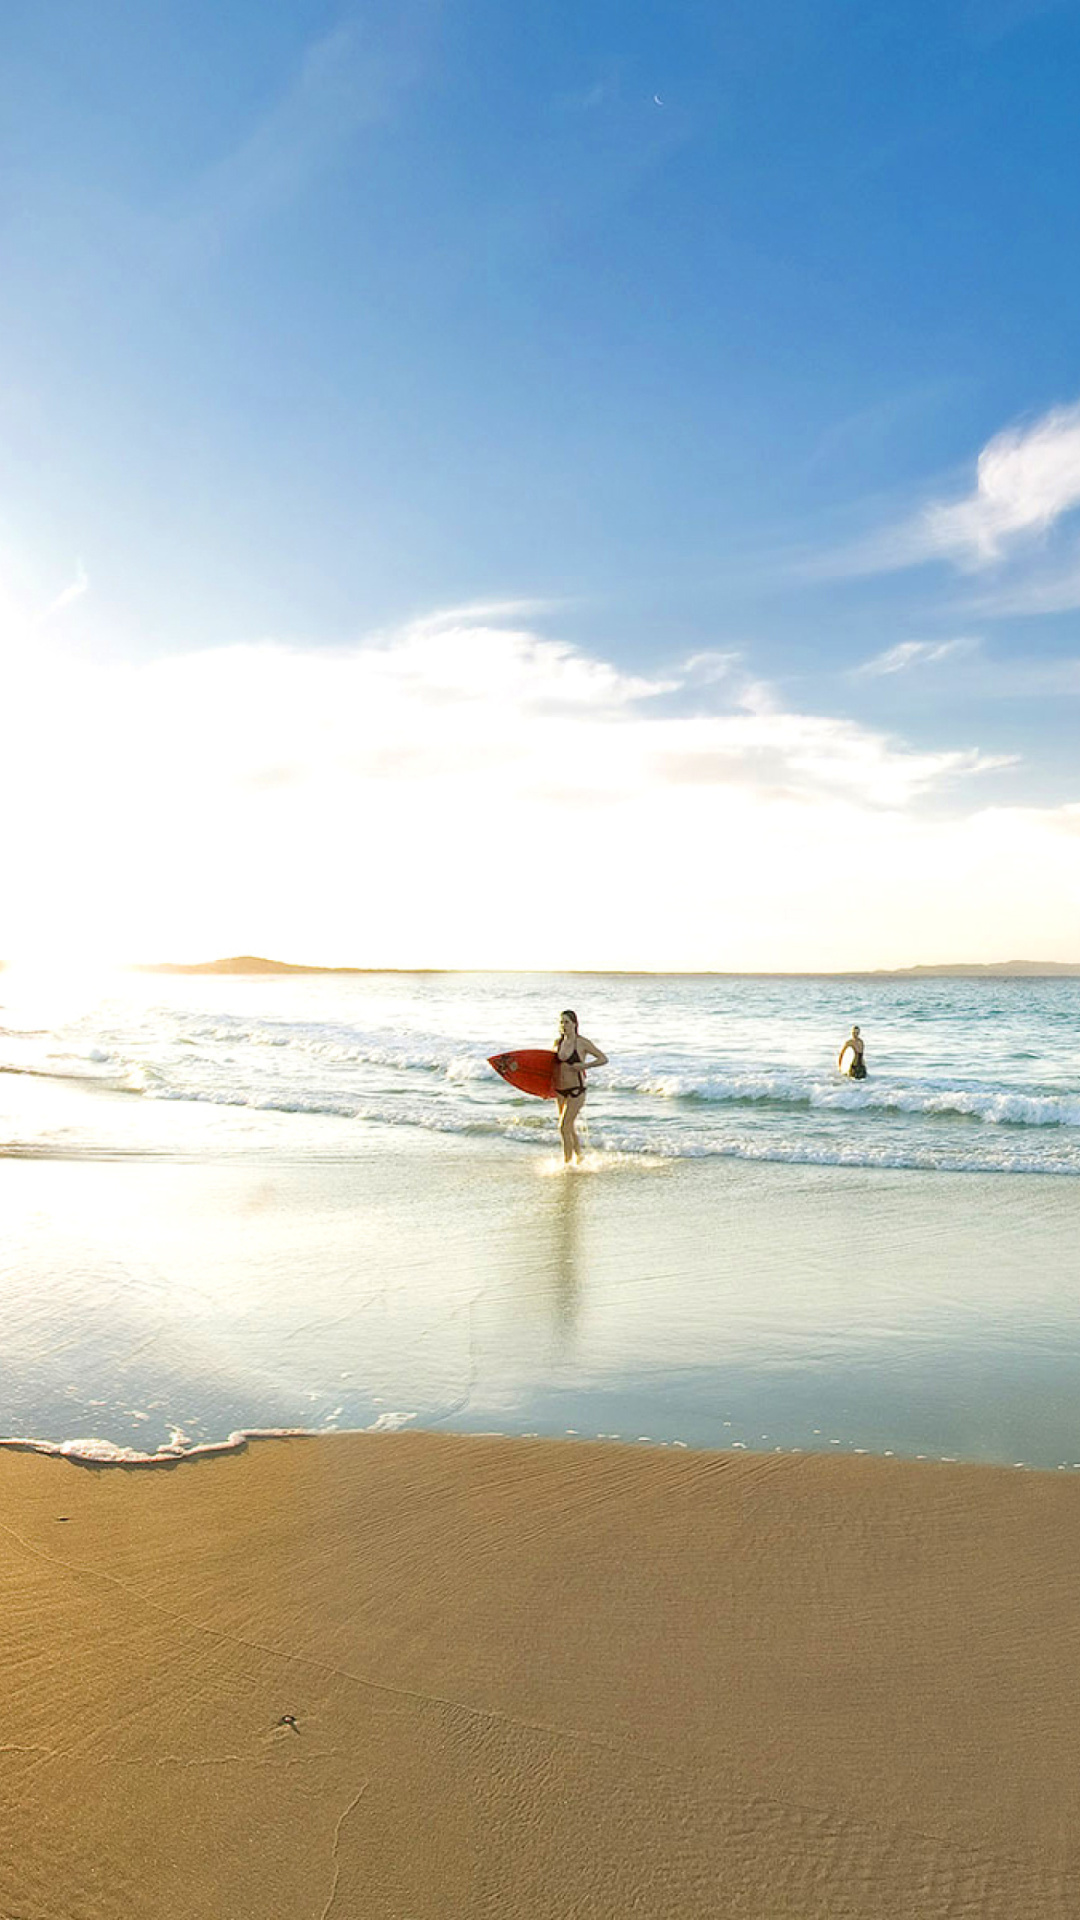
[[996, 969], [253, 963]]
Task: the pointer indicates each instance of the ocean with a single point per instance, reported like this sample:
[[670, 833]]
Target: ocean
[[305, 1202]]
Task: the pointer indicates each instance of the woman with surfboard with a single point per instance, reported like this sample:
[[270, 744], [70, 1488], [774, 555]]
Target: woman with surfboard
[[557, 1073], [572, 1054]]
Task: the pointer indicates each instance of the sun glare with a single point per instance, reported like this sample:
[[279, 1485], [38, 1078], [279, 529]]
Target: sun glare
[[31, 974]]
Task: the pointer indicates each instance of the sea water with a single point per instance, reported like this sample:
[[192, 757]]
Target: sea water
[[236, 1203]]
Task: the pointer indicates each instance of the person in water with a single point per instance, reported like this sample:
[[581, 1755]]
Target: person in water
[[857, 1069], [574, 1054]]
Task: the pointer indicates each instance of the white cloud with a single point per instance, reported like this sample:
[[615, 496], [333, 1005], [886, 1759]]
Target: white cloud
[[1026, 480], [467, 793], [461, 656], [714, 665], [911, 653], [74, 591], [804, 758]]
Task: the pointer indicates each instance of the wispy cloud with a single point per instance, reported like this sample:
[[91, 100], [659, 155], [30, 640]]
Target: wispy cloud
[[870, 430], [474, 613], [805, 757], [74, 591], [1050, 587], [349, 79], [1027, 479], [912, 653], [515, 693], [584, 99], [718, 664]]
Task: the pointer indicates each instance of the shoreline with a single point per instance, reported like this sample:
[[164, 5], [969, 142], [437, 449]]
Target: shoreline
[[432, 1675], [102, 1455]]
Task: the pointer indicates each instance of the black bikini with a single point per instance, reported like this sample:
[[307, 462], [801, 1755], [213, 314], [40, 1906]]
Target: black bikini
[[573, 1060]]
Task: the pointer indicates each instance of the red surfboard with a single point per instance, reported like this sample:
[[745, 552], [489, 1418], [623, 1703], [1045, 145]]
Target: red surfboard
[[531, 1069]]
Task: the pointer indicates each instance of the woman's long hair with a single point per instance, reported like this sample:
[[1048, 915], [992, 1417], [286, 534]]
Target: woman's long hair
[[566, 1014]]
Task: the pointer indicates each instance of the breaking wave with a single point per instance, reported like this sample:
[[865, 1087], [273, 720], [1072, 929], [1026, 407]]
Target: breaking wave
[[684, 1082]]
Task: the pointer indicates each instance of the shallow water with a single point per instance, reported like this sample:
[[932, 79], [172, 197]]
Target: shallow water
[[965, 1075], [176, 1266]]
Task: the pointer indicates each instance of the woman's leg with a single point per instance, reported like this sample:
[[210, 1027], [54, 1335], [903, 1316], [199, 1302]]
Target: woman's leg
[[566, 1128]]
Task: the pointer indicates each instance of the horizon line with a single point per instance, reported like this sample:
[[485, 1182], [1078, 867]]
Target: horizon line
[[254, 964]]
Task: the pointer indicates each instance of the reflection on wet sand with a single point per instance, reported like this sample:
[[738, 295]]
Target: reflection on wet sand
[[565, 1267]]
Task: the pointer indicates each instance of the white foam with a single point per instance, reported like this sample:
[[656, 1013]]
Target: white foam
[[93, 1451], [997, 1106], [597, 1160]]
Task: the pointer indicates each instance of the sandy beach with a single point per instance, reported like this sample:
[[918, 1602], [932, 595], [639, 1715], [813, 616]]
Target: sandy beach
[[414, 1675], [540, 962]]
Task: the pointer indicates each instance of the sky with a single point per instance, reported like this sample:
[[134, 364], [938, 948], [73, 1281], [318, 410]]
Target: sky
[[588, 486]]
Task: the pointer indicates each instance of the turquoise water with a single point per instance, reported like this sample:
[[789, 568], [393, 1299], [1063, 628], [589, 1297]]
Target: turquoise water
[[233, 1205]]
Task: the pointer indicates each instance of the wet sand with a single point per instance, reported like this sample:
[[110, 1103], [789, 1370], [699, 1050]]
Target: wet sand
[[411, 1675]]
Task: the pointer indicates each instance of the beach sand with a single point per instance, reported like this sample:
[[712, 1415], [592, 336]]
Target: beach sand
[[546, 1679]]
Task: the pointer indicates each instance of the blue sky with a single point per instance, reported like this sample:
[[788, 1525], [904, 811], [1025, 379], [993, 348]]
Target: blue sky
[[673, 336]]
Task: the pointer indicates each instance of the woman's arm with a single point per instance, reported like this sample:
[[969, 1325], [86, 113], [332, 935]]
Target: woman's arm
[[598, 1059]]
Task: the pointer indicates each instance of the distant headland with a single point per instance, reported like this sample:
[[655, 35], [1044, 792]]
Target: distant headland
[[996, 969], [254, 963]]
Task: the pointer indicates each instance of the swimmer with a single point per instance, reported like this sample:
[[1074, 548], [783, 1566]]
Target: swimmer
[[574, 1054], [857, 1069]]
